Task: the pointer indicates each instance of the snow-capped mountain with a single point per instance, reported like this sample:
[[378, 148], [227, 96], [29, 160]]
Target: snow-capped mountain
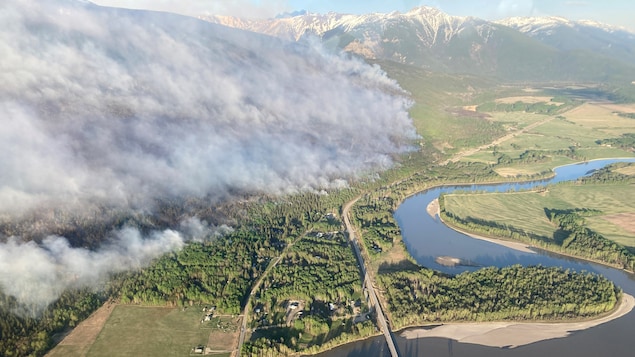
[[410, 37], [431, 23], [288, 28], [515, 48], [569, 35], [536, 26]]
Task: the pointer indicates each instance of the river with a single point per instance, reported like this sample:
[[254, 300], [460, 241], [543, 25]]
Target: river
[[427, 238]]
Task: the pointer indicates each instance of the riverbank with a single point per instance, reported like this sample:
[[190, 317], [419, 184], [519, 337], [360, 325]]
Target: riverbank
[[433, 210], [514, 334]]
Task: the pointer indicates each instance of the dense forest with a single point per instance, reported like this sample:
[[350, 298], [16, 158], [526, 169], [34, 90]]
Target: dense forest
[[219, 271], [311, 298], [572, 235], [22, 334], [535, 156], [488, 294]]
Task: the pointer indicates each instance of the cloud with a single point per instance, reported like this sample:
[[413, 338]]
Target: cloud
[[120, 108]]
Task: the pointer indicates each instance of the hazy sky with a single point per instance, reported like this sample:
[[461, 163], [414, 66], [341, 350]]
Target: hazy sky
[[614, 12]]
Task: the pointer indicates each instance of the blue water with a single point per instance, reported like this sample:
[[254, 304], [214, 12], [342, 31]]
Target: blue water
[[427, 238]]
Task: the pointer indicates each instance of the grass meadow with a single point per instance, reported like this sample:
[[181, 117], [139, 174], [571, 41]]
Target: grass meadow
[[526, 210], [579, 127], [157, 331]]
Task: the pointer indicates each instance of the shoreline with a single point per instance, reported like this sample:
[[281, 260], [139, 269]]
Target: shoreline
[[600, 159], [500, 334], [515, 334], [525, 247], [434, 210]]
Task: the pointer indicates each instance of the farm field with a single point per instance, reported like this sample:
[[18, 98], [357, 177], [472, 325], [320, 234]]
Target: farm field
[[526, 210], [559, 138], [603, 117], [78, 341], [577, 129], [162, 331]]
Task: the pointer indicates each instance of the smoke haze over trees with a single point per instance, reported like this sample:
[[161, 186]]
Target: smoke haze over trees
[[128, 106], [121, 108]]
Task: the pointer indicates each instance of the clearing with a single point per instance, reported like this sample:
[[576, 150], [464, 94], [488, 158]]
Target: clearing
[[526, 210], [160, 331], [79, 340]]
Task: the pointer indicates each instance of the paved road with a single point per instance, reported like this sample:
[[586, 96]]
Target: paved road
[[368, 283]]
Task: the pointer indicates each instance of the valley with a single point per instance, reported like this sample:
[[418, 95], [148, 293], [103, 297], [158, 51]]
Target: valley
[[232, 213]]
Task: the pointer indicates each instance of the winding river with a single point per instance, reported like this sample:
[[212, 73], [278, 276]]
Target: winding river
[[427, 238]]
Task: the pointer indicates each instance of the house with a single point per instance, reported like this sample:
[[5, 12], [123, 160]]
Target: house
[[198, 349]]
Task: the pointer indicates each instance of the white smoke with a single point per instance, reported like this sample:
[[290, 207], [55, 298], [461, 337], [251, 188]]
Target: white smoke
[[124, 107], [198, 231], [36, 274]]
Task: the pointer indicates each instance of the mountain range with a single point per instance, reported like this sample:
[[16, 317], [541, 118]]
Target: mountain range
[[525, 49]]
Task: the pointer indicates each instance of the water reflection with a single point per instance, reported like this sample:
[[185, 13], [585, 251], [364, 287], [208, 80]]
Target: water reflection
[[427, 238]]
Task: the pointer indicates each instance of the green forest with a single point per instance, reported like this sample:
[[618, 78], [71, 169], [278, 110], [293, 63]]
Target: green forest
[[311, 298], [22, 334], [218, 272], [496, 294]]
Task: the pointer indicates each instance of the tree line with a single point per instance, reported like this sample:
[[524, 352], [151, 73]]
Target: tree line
[[496, 294], [319, 273], [22, 334]]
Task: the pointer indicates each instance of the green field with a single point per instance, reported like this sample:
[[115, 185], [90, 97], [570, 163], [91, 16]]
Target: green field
[[526, 210], [566, 138], [577, 130], [158, 331], [438, 98]]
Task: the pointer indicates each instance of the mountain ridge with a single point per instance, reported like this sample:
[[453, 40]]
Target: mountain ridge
[[510, 49]]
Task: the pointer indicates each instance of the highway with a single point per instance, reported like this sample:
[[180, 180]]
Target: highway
[[368, 283]]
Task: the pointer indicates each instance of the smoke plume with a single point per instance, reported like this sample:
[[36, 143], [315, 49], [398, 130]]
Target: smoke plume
[[36, 274], [124, 107]]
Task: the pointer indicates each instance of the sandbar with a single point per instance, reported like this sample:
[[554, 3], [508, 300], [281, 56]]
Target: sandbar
[[514, 334]]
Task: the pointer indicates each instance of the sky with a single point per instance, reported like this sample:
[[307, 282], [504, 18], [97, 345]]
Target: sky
[[613, 12]]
